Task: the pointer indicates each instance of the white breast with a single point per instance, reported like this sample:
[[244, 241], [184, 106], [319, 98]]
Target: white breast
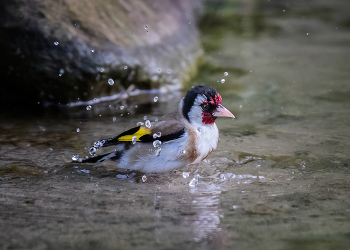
[[208, 138]]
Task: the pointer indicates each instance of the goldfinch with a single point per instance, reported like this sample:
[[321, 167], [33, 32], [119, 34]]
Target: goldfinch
[[184, 137]]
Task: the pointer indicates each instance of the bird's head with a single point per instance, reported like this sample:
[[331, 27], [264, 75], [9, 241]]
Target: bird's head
[[202, 105]]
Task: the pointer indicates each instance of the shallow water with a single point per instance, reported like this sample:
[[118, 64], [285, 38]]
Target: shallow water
[[278, 180]]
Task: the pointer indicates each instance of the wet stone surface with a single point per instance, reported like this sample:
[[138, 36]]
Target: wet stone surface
[[279, 178]]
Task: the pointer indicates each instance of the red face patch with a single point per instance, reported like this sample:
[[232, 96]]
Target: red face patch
[[216, 101], [208, 118]]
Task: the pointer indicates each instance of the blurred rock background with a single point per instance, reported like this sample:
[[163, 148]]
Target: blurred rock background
[[63, 51]]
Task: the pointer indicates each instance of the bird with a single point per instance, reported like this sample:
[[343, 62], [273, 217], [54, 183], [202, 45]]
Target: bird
[[186, 136]]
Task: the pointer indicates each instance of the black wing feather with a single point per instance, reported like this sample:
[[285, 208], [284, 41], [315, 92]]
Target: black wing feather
[[114, 140], [163, 138]]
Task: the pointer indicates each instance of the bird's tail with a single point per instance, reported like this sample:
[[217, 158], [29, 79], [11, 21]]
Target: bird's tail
[[114, 156]]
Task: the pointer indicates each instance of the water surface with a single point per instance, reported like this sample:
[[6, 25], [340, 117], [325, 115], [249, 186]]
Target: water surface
[[278, 180]]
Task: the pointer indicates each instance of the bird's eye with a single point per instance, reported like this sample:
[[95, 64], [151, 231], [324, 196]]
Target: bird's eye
[[205, 107]]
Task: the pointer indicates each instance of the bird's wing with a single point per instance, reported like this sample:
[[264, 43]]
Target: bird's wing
[[171, 127]]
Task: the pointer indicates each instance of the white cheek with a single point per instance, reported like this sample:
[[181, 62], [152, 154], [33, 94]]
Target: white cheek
[[195, 113], [199, 100]]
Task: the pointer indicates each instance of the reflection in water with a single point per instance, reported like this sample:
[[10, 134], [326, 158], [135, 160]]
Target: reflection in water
[[205, 223]]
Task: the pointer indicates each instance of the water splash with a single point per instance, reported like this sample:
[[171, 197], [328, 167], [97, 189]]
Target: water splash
[[157, 143], [110, 81]]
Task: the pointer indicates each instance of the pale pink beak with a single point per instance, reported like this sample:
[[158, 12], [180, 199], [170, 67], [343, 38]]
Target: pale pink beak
[[222, 111]]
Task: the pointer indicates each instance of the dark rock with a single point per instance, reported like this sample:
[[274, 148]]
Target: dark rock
[[94, 36]]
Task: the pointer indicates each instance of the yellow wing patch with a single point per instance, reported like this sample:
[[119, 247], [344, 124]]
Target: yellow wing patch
[[141, 132]]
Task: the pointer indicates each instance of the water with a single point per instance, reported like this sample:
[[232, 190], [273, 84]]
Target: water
[[148, 124], [279, 178], [157, 143], [110, 81]]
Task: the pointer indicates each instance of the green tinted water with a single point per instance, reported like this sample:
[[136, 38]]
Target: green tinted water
[[278, 180]]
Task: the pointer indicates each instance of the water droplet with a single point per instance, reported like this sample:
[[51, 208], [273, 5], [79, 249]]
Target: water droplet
[[56, 43], [121, 107], [225, 74], [93, 151], [125, 67], [101, 70], [183, 152], [114, 119], [147, 32], [115, 13], [155, 99], [189, 22], [155, 136], [156, 119], [145, 117], [78, 130], [99, 144], [185, 174], [307, 34], [134, 139], [192, 182], [136, 106], [159, 134], [61, 71], [222, 80], [92, 50], [148, 124], [284, 10], [158, 150], [251, 71], [95, 99], [240, 106], [199, 129], [144, 178], [157, 143], [75, 157], [110, 81], [146, 27], [139, 124], [88, 107]]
